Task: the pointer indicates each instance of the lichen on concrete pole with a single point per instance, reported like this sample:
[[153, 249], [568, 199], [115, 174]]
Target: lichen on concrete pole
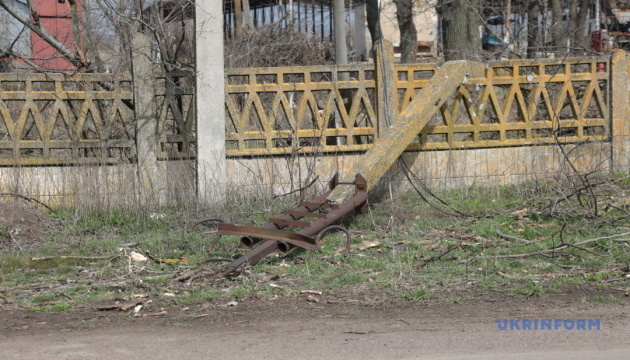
[[210, 102]]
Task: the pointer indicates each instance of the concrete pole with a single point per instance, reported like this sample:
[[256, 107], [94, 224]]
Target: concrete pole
[[341, 49], [359, 40], [152, 185], [387, 99], [210, 102], [341, 57], [620, 123]]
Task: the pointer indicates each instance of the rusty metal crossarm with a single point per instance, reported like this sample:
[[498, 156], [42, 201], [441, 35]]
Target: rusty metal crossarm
[[283, 241], [291, 223], [251, 240], [269, 234], [302, 214]]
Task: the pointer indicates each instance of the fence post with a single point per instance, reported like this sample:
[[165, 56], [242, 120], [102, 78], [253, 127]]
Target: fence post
[[210, 102], [146, 119], [620, 122], [387, 98]]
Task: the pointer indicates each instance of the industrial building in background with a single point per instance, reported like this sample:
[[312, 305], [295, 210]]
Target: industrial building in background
[[19, 46]]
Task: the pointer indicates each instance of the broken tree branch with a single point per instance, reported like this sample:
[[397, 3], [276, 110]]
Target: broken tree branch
[[435, 258], [555, 248], [513, 238], [28, 199], [38, 29], [298, 190], [15, 241], [71, 257]]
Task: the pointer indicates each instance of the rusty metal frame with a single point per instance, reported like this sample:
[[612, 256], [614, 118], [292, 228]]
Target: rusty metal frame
[[276, 239]]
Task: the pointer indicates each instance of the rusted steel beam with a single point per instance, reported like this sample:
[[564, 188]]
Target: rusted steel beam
[[283, 241], [248, 241], [304, 214], [384, 152], [252, 257], [292, 223], [270, 234]]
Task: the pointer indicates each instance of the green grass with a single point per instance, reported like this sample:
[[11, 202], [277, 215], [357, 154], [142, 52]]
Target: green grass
[[410, 264], [600, 299], [58, 307]]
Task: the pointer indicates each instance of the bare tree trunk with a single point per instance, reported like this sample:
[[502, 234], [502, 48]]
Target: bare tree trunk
[[534, 37], [238, 17], [460, 28], [41, 31], [92, 48], [373, 18], [408, 32], [249, 23], [582, 40], [558, 34]]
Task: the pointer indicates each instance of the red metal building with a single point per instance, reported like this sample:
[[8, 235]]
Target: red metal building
[[55, 16]]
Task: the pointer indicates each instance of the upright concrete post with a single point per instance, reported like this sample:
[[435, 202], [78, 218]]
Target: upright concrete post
[[620, 125], [358, 34], [387, 99], [149, 180], [210, 102], [341, 49], [341, 58]]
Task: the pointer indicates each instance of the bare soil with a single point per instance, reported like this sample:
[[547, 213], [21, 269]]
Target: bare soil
[[333, 326], [23, 227], [365, 324]]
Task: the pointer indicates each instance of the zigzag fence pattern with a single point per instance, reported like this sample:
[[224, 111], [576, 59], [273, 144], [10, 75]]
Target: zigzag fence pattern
[[57, 119]]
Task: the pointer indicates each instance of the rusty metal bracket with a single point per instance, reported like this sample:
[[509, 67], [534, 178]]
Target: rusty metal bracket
[[320, 240], [199, 222], [278, 240]]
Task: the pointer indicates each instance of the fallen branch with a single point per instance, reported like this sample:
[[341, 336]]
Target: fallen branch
[[298, 190], [555, 248], [513, 238], [28, 199], [121, 306], [15, 241], [584, 249], [434, 258], [611, 237], [70, 257], [210, 259]]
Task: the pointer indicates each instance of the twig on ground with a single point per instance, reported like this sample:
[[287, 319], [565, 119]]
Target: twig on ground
[[555, 248], [215, 259], [584, 249], [71, 257], [513, 238], [434, 258], [15, 241]]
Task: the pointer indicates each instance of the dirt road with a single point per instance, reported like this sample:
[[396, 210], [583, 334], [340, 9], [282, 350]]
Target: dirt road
[[294, 328]]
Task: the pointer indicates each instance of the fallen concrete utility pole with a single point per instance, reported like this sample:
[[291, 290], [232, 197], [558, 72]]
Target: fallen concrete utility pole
[[339, 201]]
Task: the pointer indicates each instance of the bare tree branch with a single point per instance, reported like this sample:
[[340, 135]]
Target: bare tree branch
[[38, 29]]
